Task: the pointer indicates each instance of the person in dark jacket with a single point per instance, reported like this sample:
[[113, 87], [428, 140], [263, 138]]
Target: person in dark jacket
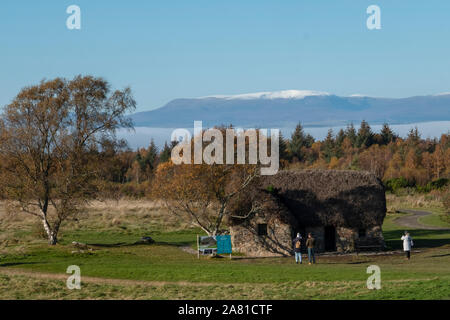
[[297, 243], [310, 244]]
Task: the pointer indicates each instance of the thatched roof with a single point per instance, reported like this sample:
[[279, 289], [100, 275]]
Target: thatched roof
[[323, 197]]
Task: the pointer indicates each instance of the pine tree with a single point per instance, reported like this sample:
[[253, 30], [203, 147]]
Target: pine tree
[[298, 141], [309, 140], [413, 136], [283, 147], [340, 137], [387, 135], [365, 135], [329, 146], [350, 132], [140, 160], [165, 154], [152, 156]]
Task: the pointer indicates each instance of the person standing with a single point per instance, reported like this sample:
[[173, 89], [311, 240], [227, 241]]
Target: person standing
[[407, 244], [310, 244], [297, 242]]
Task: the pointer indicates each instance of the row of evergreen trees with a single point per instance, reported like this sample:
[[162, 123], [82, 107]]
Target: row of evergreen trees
[[332, 145], [413, 159]]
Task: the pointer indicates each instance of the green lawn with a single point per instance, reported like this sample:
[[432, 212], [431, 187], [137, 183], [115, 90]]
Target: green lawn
[[21, 287], [422, 238], [116, 256], [435, 219]]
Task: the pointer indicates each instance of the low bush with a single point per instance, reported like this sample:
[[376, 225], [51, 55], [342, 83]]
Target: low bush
[[438, 184], [395, 184]]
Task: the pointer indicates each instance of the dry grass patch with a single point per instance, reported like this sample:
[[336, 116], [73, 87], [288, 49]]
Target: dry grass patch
[[407, 201]]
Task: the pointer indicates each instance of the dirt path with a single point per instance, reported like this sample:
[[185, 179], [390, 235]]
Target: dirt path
[[189, 250], [412, 222], [105, 281]]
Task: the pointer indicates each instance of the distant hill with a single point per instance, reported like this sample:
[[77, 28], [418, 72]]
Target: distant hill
[[287, 108]]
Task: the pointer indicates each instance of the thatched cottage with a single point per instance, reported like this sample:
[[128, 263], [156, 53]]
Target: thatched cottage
[[344, 210]]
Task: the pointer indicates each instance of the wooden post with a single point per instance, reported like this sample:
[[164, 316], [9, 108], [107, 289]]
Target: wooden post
[[198, 248]]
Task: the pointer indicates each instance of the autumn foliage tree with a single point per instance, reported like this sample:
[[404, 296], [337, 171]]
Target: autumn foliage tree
[[52, 138], [201, 193]]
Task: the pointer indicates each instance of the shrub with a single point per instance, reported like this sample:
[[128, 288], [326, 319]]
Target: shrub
[[438, 184], [393, 185]]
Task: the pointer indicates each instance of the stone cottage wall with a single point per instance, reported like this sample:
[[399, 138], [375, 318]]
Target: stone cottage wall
[[277, 242], [374, 236], [348, 239]]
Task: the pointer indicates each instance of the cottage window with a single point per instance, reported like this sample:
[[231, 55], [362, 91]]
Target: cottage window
[[262, 229], [362, 233]]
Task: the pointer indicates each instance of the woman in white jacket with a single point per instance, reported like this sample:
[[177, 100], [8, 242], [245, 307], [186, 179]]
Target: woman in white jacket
[[407, 244]]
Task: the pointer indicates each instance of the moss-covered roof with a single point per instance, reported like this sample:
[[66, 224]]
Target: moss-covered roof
[[319, 197]]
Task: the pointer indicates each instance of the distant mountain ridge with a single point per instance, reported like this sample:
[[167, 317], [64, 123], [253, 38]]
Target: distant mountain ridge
[[286, 108]]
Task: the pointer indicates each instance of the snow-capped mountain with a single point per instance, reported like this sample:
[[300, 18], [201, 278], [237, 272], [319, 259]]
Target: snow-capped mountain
[[288, 107], [285, 94]]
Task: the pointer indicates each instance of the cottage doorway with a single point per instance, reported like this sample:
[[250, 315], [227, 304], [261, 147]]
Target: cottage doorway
[[330, 238]]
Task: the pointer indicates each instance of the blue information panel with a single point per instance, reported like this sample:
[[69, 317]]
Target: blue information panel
[[223, 244]]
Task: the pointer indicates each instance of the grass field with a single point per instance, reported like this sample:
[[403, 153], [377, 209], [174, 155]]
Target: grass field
[[436, 219], [423, 239], [118, 268]]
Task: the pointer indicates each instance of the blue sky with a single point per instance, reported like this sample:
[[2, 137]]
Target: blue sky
[[171, 49]]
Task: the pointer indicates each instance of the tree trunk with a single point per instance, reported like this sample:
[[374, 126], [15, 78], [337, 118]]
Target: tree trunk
[[219, 219], [53, 240], [52, 234]]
